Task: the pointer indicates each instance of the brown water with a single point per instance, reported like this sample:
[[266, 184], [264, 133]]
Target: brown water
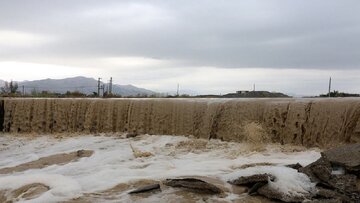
[[307, 122]]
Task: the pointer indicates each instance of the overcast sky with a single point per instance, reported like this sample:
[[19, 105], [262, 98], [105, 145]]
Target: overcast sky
[[206, 46]]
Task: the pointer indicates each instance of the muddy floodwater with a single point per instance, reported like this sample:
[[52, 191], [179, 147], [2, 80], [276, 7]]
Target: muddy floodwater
[[306, 122], [99, 150], [109, 169]]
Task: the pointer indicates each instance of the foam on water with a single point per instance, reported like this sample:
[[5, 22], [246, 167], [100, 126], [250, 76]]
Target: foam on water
[[113, 163], [287, 180], [61, 187]]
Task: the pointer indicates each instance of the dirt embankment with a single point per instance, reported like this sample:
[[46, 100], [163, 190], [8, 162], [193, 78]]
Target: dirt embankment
[[323, 123]]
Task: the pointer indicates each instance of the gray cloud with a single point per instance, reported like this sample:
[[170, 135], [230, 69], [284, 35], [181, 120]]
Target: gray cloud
[[179, 41], [232, 34]]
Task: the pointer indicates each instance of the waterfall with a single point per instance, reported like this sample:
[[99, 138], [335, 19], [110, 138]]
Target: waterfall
[[307, 122]]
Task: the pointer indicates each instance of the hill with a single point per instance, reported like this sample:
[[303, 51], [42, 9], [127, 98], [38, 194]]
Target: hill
[[247, 94], [82, 84], [254, 94]]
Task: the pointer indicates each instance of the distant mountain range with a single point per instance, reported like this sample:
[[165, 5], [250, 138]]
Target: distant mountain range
[[82, 84]]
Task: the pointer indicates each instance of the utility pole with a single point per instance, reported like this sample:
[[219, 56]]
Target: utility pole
[[99, 86], [103, 89], [177, 91], [23, 90], [254, 87], [329, 87], [110, 86]]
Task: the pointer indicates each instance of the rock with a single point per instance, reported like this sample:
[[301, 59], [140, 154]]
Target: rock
[[272, 193], [344, 182], [296, 166], [347, 156], [331, 173], [84, 153], [355, 196], [194, 185], [253, 179], [253, 190], [318, 171], [340, 186], [325, 201], [322, 172], [130, 135], [147, 188], [328, 194]]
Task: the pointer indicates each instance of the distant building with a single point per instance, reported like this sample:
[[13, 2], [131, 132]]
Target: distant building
[[242, 92]]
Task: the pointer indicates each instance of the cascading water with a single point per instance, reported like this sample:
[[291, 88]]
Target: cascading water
[[308, 122]]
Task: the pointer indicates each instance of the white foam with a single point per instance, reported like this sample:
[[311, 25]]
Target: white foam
[[287, 180], [113, 163], [61, 187]]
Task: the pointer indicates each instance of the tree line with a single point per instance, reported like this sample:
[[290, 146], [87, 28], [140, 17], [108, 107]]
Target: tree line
[[10, 88]]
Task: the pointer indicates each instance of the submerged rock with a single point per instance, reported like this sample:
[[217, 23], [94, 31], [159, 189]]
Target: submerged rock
[[194, 185], [58, 159], [147, 188], [253, 179], [296, 166], [84, 153], [30, 191], [131, 135], [253, 190], [24, 193]]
